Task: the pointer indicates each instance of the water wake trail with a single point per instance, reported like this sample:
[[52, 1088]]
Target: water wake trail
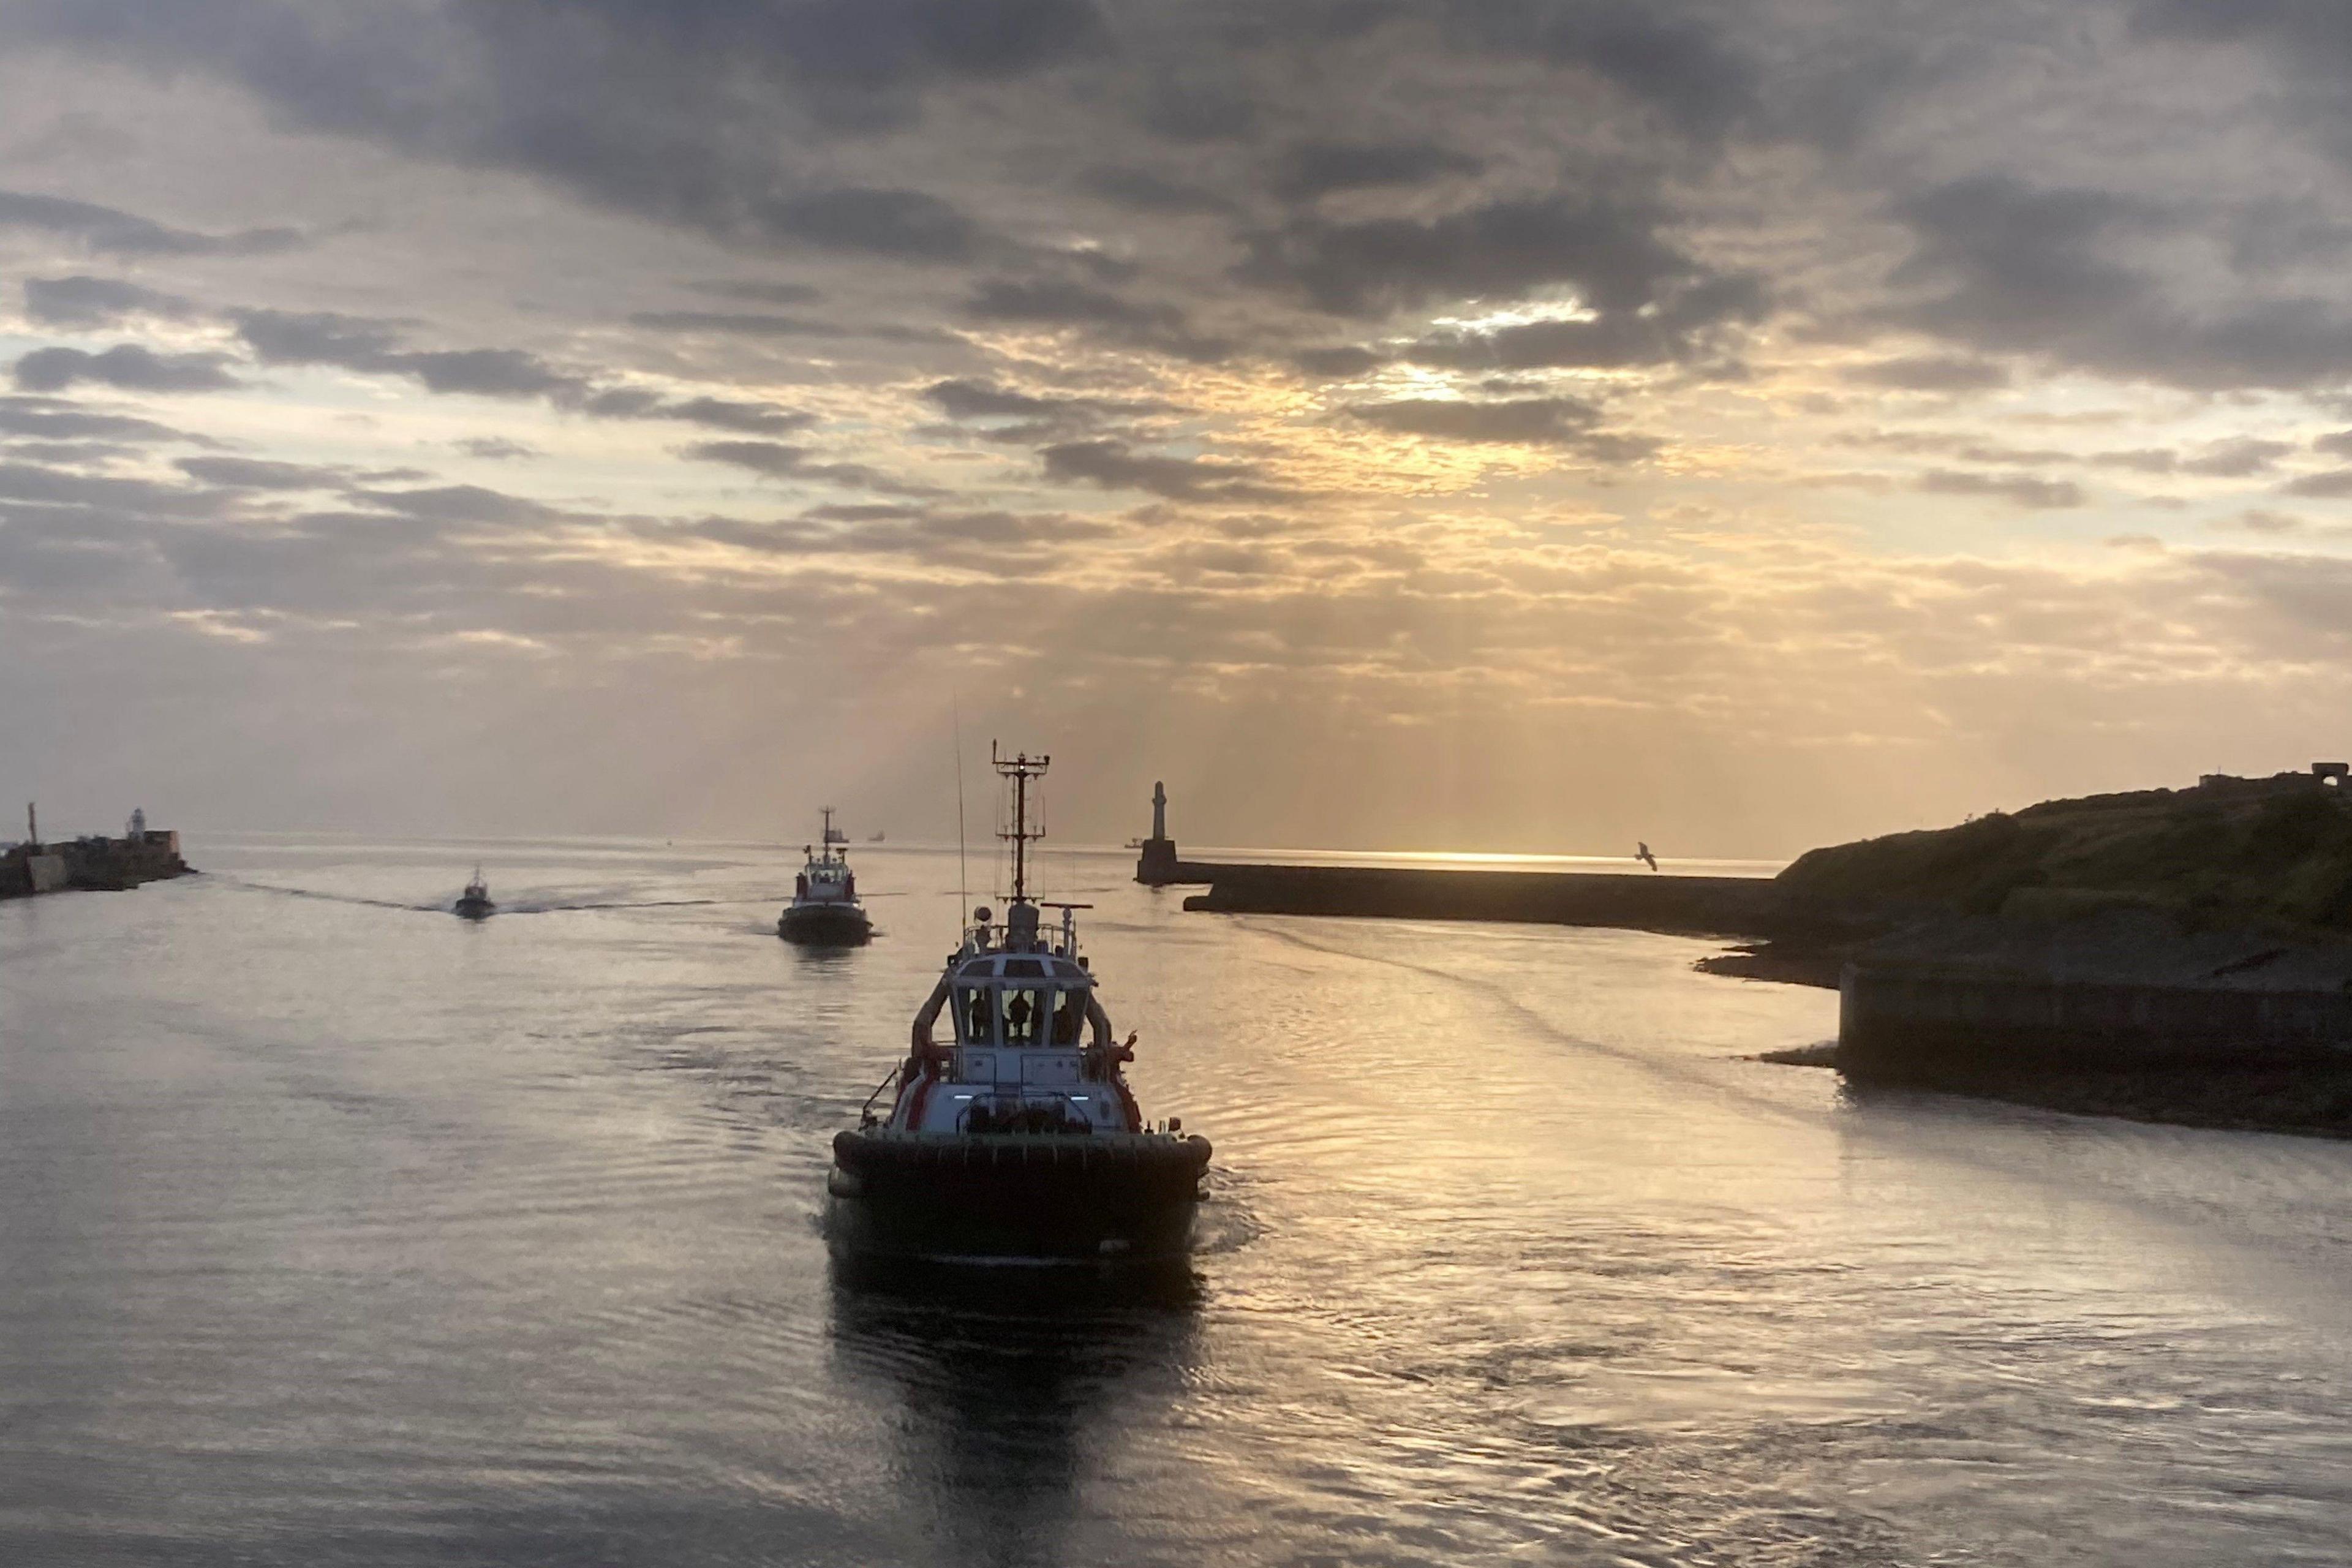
[[323, 897], [1677, 1070], [518, 907]]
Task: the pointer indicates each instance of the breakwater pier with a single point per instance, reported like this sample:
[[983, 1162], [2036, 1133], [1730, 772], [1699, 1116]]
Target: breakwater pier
[[1695, 906], [1746, 907], [93, 862]]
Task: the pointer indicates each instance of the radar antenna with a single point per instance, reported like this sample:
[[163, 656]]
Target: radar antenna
[[1019, 770]]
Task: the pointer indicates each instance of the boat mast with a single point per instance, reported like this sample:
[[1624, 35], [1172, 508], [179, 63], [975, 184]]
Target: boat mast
[[1020, 768]]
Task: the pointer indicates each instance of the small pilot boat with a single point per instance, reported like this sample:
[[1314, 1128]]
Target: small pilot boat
[[1019, 1139], [824, 910], [474, 903]]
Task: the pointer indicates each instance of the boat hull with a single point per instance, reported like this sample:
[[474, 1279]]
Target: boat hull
[[474, 909], [1122, 1198], [818, 925]]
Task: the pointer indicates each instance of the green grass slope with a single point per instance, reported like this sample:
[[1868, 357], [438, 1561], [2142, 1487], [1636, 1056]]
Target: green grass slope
[[2270, 853]]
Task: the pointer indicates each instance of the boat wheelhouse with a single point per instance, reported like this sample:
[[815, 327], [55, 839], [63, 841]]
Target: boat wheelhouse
[[824, 910], [474, 903], [1014, 1134]]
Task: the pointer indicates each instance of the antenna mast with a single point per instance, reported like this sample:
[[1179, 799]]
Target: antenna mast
[[1020, 768], [964, 880]]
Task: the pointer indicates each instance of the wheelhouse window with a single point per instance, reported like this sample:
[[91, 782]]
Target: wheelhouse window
[[1024, 1015], [976, 1012]]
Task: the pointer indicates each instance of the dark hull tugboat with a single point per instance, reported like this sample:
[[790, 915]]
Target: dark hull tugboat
[[824, 910], [474, 903], [1020, 1140]]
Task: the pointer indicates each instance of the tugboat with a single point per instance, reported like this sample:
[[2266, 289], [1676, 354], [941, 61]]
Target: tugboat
[[474, 903], [1019, 1140], [824, 910]]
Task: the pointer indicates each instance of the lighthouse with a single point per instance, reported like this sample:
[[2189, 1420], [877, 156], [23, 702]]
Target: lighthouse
[[1157, 867]]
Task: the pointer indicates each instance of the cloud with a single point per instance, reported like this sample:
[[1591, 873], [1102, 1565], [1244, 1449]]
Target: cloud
[[497, 449], [2019, 490], [1315, 169], [485, 372], [261, 474], [762, 293], [1010, 416], [1063, 303], [1142, 191], [1526, 421], [673, 111], [1563, 422], [57, 419], [733, 323], [1689, 323], [2257, 519], [1112, 465], [461, 504], [2333, 485], [110, 232], [1933, 373], [1058, 302], [776, 460], [902, 225], [729, 414], [1611, 252], [373, 347], [977, 400], [282, 338], [1662, 54], [2237, 459], [129, 367], [83, 301], [2005, 266]]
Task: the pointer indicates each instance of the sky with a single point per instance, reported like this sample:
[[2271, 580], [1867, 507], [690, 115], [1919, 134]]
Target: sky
[[1504, 425]]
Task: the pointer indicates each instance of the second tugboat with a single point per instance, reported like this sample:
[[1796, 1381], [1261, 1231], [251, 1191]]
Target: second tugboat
[[1018, 1141], [474, 903], [824, 910]]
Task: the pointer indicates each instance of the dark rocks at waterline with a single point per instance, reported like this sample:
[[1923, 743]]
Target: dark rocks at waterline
[[1794, 962]]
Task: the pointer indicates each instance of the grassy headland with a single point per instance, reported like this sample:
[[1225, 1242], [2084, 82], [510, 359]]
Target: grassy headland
[[2170, 896], [2269, 854]]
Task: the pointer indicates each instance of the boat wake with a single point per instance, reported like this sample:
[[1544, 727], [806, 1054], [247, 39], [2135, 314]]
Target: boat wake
[[517, 907]]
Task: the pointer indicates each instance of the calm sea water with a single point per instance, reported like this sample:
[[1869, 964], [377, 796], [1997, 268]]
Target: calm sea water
[[334, 1230]]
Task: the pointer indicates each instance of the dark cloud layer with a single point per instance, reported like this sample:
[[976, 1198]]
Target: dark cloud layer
[[83, 302], [1113, 465], [130, 367], [1524, 421], [1611, 253], [2007, 265], [110, 232]]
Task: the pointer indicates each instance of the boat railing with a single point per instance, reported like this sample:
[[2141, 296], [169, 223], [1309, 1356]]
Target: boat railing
[[866, 1117]]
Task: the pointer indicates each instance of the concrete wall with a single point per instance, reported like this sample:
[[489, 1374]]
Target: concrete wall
[[48, 872], [1920, 1023]]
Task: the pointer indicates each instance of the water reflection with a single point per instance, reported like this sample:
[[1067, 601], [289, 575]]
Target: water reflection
[[1010, 1392]]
